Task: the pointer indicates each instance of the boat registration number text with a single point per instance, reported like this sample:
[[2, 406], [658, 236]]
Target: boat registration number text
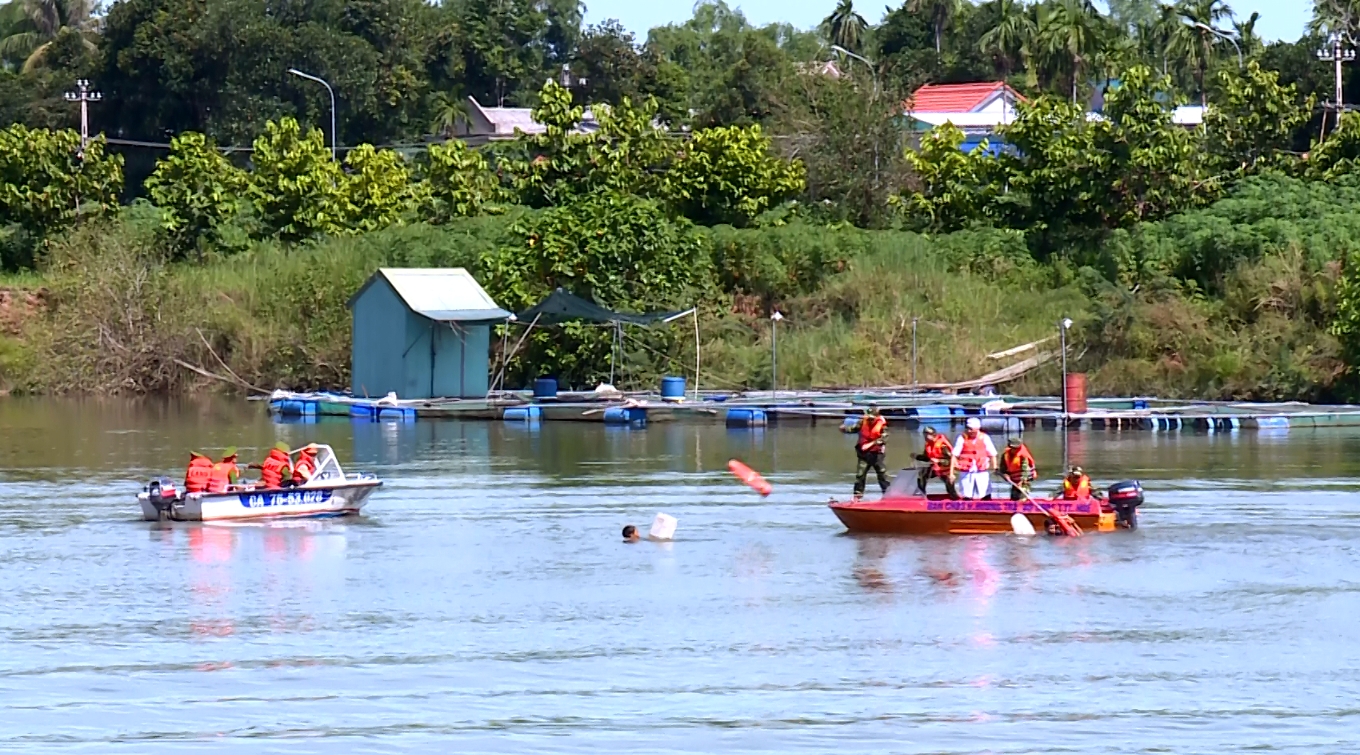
[[288, 498]]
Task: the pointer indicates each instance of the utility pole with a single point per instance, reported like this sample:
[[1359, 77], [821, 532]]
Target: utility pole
[[774, 352], [84, 95], [1337, 54]]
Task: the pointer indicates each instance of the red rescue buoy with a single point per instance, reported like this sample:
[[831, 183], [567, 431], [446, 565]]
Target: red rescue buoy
[[750, 477]]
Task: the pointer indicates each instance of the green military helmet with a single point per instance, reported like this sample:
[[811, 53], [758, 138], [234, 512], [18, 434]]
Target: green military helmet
[[230, 453], [281, 446], [1075, 471], [929, 432], [1014, 442]]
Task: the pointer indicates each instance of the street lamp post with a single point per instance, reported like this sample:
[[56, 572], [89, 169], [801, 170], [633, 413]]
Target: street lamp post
[[873, 71], [774, 352], [335, 151], [84, 95], [1221, 35]]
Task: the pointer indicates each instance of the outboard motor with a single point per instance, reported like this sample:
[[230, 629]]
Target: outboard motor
[[1125, 498], [162, 494]]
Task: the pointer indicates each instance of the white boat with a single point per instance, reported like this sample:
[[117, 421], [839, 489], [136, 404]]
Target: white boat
[[329, 493]]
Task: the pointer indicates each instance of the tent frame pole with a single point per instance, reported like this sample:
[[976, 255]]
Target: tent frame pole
[[506, 362]]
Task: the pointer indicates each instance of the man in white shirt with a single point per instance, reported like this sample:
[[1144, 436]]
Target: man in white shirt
[[973, 461]]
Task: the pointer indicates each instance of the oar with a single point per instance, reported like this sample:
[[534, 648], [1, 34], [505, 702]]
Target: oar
[[1065, 522]]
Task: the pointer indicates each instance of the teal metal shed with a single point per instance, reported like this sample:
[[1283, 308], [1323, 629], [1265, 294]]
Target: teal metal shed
[[422, 333]]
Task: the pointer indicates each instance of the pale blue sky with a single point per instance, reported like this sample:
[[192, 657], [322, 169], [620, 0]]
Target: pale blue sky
[[1280, 19]]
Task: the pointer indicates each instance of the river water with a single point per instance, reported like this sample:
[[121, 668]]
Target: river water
[[485, 602]]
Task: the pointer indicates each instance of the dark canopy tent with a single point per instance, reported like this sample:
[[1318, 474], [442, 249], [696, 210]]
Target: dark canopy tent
[[561, 306]]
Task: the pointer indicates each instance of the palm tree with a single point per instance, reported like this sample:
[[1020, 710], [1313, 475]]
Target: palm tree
[[1011, 37], [1199, 17], [446, 110], [1070, 35], [1247, 37], [941, 13], [844, 27], [38, 23]]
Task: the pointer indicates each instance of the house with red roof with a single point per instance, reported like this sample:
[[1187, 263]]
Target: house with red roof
[[976, 109]]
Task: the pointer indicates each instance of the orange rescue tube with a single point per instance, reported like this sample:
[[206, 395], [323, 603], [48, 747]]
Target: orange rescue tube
[[750, 477]]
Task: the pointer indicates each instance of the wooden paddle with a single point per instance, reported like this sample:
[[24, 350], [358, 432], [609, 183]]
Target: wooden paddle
[[1065, 522]]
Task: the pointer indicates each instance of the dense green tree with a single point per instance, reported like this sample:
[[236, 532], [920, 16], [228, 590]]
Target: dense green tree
[[1254, 118], [33, 27], [1068, 37], [608, 66], [377, 190], [459, 183], [731, 175], [1200, 37], [48, 182], [197, 190], [940, 13], [297, 189]]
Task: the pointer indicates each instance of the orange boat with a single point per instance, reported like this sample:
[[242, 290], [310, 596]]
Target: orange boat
[[910, 513]]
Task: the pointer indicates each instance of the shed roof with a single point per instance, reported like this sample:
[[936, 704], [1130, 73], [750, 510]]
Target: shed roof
[[959, 98], [443, 294]]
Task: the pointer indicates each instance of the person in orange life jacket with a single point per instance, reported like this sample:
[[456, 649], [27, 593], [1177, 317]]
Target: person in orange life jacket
[[1017, 464], [225, 473], [196, 476], [305, 466], [936, 455], [973, 461], [869, 448], [1077, 485], [275, 467]]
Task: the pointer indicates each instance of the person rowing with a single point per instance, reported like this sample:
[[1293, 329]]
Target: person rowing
[[1018, 465]]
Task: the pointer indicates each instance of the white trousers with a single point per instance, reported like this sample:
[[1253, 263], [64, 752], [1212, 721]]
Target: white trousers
[[975, 485]]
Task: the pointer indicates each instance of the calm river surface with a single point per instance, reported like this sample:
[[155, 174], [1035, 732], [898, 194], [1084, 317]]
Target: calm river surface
[[485, 603]]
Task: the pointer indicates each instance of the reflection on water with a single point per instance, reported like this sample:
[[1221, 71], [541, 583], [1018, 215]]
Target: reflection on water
[[485, 604]]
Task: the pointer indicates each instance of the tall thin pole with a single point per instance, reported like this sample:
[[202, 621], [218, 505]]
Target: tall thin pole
[[913, 352], [774, 351], [84, 95], [1063, 325], [335, 150], [696, 353], [1337, 54]]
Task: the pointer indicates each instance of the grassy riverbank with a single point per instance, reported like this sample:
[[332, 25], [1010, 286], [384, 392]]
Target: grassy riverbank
[[1230, 302]]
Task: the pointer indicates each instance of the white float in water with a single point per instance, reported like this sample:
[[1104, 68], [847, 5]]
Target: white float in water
[[663, 527], [1020, 525]]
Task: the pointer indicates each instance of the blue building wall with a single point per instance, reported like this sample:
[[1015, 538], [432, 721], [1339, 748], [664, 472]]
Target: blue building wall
[[395, 349]]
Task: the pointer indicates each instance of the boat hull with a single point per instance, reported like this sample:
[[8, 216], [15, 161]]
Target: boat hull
[[919, 515], [342, 499]]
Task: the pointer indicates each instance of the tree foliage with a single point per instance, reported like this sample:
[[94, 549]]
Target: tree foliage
[[197, 190], [459, 182], [731, 175], [48, 183], [297, 188]]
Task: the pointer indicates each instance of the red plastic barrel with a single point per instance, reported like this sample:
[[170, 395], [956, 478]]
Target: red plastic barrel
[[1075, 392]]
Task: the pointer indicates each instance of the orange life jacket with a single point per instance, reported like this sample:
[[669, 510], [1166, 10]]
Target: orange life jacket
[[304, 468], [1013, 461], [220, 476], [1082, 488], [938, 451], [974, 456], [196, 477], [273, 469], [871, 429]]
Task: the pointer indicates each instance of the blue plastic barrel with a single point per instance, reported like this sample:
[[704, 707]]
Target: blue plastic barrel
[[672, 388], [522, 414], [401, 413], [545, 387], [746, 418], [310, 408], [620, 415], [363, 411]]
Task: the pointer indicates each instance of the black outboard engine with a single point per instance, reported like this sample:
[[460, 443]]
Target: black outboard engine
[[162, 494], [1125, 498]]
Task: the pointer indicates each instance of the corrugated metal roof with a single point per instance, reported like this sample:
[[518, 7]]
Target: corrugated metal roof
[[958, 98], [447, 294]]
